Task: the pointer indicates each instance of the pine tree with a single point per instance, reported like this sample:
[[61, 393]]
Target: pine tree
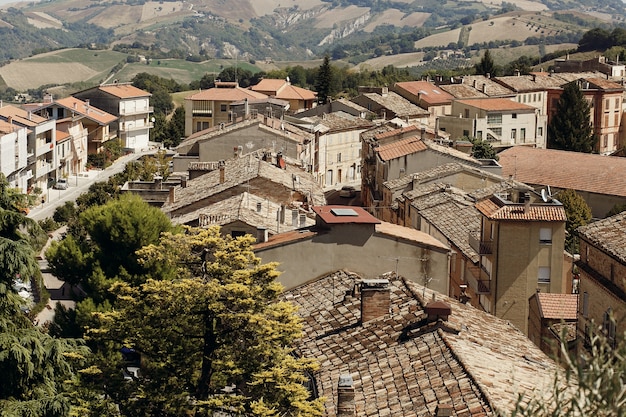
[[219, 323], [486, 65], [570, 128], [323, 83]]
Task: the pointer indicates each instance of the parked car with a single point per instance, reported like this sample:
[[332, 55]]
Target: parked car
[[61, 184], [347, 191]]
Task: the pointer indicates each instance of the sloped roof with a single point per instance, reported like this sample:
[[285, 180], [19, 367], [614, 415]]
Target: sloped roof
[[124, 90], [608, 234], [495, 209], [21, 116], [402, 366], [283, 90], [397, 104], [6, 127], [427, 91], [87, 110], [338, 121], [226, 92], [497, 104], [238, 171], [400, 148], [558, 306], [242, 207], [565, 170], [61, 136]]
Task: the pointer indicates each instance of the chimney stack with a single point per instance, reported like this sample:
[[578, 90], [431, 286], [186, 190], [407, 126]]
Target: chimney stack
[[222, 168], [345, 397], [375, 299], [526, 202], [172, 195], [437, 310]]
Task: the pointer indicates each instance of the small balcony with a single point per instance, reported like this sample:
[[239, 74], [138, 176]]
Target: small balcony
[[481, 247], [478, 279], [130, 112]]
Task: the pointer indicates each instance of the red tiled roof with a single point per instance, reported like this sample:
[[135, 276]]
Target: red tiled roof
[[558, 306], [496, 104], [427, 91], [342, 215], [61, 136], [226, 93], [395, 132], [604, 84], [281, 89], [21, 116], [565, 170], [124, 90], [400, 148], [536, 212], [89, 111]]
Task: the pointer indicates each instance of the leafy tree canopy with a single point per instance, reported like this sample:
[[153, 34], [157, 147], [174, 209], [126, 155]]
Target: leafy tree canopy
[[219, 324], [578, 214]]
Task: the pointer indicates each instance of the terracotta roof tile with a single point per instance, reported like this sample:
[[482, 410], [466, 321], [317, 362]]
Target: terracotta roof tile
[[565, 170], [226, 93], [20, 116], [558, 306], [403, 366], [400, 148], [336, 214], [89, 111], [607, 234], [124, 90], [427, 91], [494, 209], [496, 104]]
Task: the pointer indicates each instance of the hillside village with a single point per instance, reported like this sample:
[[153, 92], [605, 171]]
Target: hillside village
[[430, 282]]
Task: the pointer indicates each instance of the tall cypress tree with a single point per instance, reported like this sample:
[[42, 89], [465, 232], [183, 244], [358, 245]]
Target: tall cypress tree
[[324, 81], [570, 128], [486, 65]]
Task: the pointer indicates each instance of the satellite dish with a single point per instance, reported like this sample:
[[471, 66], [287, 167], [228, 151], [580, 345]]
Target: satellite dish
[[544, 195]]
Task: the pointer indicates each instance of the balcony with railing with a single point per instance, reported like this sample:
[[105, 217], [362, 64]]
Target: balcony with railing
[[480, 246], [130, 112], [479, 280]]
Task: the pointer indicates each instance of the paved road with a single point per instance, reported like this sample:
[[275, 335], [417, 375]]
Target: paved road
[[80, 184], [60, 293]]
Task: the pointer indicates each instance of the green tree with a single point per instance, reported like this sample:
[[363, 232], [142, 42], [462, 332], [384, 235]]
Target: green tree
[[570, 128], [578, 214], [616, 209], [481, 149], [175, 128], [35, 367], [199, 334], [119, 228], [486, 66], [323, 83]]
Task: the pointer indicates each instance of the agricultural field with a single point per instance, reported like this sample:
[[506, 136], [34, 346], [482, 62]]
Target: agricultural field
[[180, 70], [329, 18], [439, 39], [398, 18], [60, 67], [264, 7], [411, 59]]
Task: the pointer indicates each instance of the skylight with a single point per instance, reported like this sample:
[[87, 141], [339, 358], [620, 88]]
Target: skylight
[[343, 212]]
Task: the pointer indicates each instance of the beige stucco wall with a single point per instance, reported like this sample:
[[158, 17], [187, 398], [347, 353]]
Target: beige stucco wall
[[358, 249]]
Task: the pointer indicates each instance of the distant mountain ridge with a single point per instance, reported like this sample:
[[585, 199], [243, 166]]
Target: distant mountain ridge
[[290, 30]]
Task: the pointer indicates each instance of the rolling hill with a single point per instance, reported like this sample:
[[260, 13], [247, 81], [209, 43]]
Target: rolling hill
[[266, 31]]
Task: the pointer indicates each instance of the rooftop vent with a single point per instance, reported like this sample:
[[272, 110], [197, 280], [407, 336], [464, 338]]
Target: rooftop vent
[[438, 310]]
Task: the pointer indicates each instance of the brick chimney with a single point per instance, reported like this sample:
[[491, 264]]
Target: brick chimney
[[172, 195], [375, 300], [345, 397]]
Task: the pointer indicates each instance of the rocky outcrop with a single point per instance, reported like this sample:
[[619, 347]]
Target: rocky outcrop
[[346, 29]]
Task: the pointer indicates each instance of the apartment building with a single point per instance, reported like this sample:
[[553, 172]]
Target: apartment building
[[520, 246], [426, 95], [130, 105], [13, 155], [299, 98], [42, 164], [602, 273], [500, 121], [212, 107]]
